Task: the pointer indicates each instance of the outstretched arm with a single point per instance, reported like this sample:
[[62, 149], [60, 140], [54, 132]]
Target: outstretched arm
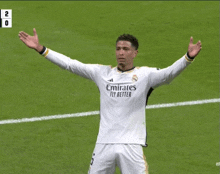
[[31, 41], [85, 70], [166, 75]]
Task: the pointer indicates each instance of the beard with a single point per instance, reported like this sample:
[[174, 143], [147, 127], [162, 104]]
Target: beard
[[122, 64]]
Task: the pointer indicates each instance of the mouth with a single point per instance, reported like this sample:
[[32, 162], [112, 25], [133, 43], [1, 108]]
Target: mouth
[[121, 61], [121, 58]]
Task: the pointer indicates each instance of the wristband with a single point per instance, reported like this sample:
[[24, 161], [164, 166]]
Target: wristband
[[43, 50], [189, 56]]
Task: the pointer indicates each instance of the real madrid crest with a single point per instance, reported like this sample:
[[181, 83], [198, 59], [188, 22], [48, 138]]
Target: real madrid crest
[[134, 78]]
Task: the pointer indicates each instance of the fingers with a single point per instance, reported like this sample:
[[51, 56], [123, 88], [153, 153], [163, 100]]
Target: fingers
[[191, 40], [23, 35], [199, 43], [22, 38], [35, 32]]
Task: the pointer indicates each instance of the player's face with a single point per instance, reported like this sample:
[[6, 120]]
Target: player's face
[[125, 53]]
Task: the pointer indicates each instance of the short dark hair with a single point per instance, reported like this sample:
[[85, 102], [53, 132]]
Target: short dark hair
[[130, 38]]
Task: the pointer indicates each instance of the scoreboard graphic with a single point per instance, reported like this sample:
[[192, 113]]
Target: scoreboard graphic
[[6, 18]]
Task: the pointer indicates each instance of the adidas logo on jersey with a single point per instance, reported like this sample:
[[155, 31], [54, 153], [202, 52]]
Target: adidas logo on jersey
[[111, 80]]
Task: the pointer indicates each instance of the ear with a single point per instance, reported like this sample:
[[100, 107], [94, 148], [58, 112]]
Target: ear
[[135, 53]]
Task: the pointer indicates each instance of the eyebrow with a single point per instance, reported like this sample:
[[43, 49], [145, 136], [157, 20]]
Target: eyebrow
[[128, 46], [124, 47]]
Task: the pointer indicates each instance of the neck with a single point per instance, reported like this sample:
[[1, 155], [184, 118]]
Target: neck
[[124, 69]]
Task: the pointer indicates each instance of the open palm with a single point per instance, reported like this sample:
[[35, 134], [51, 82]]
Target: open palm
[[30, 41], [194, 49]]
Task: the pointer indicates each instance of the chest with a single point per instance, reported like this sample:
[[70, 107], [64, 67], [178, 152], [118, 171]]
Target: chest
[[121, 86]]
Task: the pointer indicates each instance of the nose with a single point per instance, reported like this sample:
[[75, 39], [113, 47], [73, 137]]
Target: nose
[[121, 52]]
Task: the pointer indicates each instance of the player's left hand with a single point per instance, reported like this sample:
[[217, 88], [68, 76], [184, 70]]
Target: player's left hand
[[194, 49]]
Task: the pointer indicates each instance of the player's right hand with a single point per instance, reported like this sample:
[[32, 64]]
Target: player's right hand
[[30, 41]]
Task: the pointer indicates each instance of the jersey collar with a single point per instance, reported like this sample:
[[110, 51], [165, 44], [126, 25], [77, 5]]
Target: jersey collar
[[125, 70]]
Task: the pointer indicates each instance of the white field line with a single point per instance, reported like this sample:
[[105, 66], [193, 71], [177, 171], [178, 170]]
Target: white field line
[[82, 114]]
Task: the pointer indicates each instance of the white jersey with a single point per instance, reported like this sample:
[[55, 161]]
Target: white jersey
[[123, 95]]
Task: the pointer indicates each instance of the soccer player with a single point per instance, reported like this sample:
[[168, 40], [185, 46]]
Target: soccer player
[[124, 91]]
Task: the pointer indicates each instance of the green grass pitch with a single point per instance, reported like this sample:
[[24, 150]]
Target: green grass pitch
[[181, 139]]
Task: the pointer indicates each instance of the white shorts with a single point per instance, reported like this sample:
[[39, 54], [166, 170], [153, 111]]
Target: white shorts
[[128, 157]]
